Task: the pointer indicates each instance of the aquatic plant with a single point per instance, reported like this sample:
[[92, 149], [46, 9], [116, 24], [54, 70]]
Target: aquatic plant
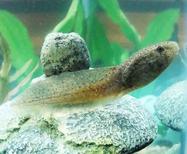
[[82, 17], [18, 56]]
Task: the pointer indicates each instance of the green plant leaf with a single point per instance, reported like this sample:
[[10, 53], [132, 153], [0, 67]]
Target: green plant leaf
[[99, 45], [5, 68], [113, 10], [89, 7], [121, 54], [79, 21], [19, 72], [66, 25], [16, 36], [161, 27], [20, 47], [23, 83]]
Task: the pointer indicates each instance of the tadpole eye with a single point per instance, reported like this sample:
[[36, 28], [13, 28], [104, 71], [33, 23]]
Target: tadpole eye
[[160, 49]]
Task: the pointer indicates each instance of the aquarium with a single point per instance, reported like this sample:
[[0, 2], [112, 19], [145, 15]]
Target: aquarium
[[93, 77]]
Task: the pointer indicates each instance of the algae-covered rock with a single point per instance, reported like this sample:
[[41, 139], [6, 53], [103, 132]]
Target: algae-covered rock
[[122, 126], [62, 52], [171, 106], [33, 139]]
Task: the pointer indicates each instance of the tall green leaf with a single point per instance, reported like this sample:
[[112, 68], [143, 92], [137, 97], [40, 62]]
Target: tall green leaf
[[161, 27], [121, 54], [99, 45], [23, 83], [20, 48], [66, 25], [113, 10], [79, 24], [4, 69], [18, 40]]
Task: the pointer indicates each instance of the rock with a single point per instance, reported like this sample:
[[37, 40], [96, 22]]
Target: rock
[[62, 52], [171, 106], [123, 126], [31, 140]]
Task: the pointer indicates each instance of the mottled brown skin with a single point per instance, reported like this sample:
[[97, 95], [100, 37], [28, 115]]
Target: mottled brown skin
[[100, 83]]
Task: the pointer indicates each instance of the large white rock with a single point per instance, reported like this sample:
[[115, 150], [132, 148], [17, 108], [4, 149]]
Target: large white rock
[[171, 106], [122, 126]]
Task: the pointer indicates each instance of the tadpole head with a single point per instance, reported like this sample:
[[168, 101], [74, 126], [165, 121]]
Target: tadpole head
[[148, 63]]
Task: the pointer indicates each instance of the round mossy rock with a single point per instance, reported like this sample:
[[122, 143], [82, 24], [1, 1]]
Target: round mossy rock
[[64, 52]]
